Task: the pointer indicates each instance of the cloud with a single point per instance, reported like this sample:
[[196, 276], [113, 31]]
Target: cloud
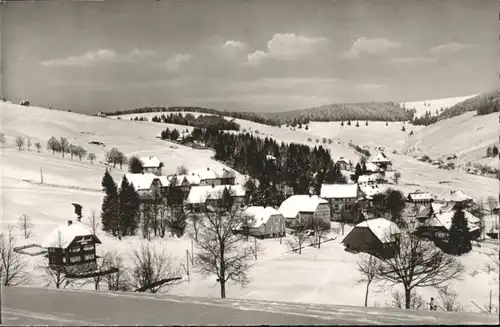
[[364, 45], [450, 48], [287, 47], [177, 61], [232, 45], [96, 57], [296, 84], [411, 61]]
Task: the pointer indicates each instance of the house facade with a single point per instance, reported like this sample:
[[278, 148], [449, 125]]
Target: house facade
[[341, 198], [303, 208], [267, 222], [203, 196], [71, 248], [419, 197], [151, 165], [382, 161], [210, 177], [148, 186], [437, 226], [378, 237]]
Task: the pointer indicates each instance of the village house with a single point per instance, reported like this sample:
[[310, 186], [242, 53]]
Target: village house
[[436, 227], [147, 185], [180, 182], [382, 161], [341, 198], [343, 164], [460, 198], [267, 222], [203, 196], [419, 197], [151, 165], [378, 237], [303, 208], [71, 248], [210, 176], [367, 179]]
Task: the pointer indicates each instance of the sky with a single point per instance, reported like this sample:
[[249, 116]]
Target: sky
[[245, 55]]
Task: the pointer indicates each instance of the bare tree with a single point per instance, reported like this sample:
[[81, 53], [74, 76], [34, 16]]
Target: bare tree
[[53, 145], [38, 146], [299, 237], [448, 299], [397, 176], [181, 170], [64, 145], [320, 226], [222, 252], [81, 152], [91, 157], [55, 275], [416, 262], [120, 280], [121, 159], [416, 301], [25, 225], [367, 266], [3, 139], [13, 268], [73, 150], [29, 143], [93, 221], [150, 267], [19, 142]]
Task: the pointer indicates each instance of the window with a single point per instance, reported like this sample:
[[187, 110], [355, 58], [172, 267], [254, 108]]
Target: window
[[88, 247], [75, 259], [74, 249], [89, 257]]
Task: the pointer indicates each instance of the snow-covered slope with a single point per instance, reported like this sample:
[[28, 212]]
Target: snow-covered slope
[[432, 105], [467, 136]]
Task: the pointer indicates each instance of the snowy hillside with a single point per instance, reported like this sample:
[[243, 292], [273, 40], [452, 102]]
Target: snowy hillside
[[278, 274], [467, 136], [432, 105]]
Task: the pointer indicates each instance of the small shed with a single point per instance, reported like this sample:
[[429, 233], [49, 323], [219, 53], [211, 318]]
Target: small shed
[[71, 248], [378, 237], [267, 222]]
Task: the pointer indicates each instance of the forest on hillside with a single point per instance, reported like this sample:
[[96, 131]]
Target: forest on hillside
[[200, 121], [484, 104]]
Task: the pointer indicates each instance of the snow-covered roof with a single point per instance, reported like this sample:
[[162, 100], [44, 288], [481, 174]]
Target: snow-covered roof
[[141, 181], [63, 235], [192, 179], [165, 182], [420, 196], [332, 191], [342, 159], [200, 194], [210, 173], [150, 162], [370, 190], [363, 179], [444, 219], [382, 228], [300, 203], [260, 214], [380, 157], [459, 196], [370, 166]]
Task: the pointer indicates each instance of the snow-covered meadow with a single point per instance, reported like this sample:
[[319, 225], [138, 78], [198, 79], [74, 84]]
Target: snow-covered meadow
[[327, 275]]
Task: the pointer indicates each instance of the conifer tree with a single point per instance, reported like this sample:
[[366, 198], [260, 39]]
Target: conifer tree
[[494, 151], [348, 123], [342, 123], [129, 208], [110, 212], [366, 123], [459, 235]]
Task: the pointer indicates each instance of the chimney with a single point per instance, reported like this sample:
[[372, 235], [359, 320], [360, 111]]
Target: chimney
[[70, 222]]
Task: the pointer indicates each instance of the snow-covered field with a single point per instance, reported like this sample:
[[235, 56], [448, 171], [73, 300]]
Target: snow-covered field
[[327, 275], [432, 105], [467, 136]]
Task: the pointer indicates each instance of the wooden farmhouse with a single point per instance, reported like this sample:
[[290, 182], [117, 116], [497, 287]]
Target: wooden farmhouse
[[436, 227], [378, 237], [460, 198], [266, 222], [210, 176], [303, 208], [151, 165], [341, 198], [147, 185], [419, 197], [181, 182], [382, 161], [202, 196], [71, 248]]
